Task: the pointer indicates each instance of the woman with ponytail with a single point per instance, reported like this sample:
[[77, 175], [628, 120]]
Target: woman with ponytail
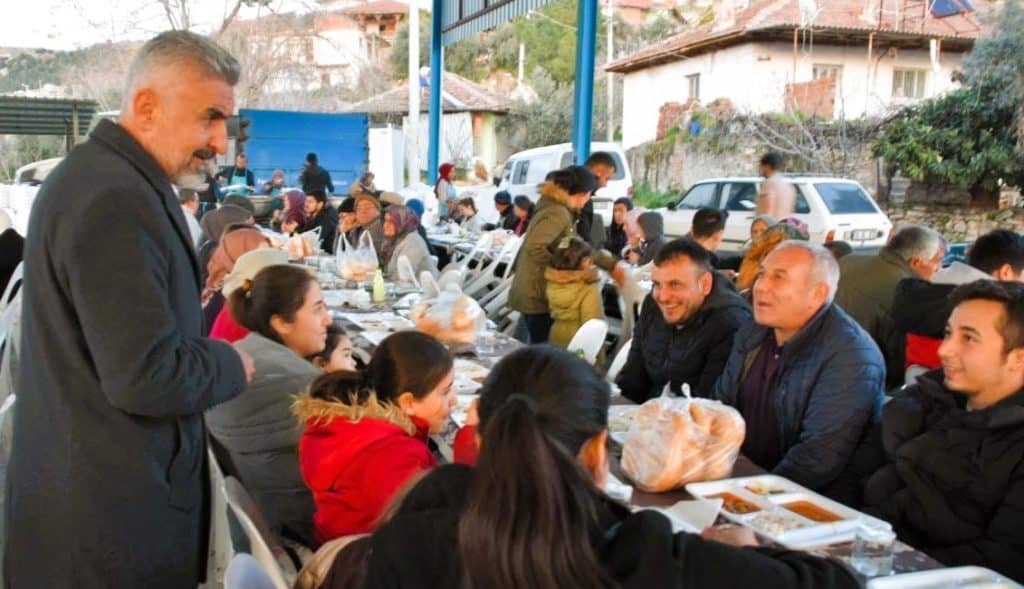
[[366, 434], [531, 514], [283, 309]]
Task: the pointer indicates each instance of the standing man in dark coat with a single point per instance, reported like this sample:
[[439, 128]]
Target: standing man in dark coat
[[107, 485], [313, 178], [602, 165]]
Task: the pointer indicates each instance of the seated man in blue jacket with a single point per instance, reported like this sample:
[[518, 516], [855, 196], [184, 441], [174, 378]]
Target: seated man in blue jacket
[[686, 327], [806, 378]]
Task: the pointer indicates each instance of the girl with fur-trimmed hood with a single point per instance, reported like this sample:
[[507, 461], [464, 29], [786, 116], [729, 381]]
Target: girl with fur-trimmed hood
[[574, 289], [366, 433]]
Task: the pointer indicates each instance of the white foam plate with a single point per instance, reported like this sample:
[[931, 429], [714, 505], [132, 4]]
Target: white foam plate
[[964, 577]]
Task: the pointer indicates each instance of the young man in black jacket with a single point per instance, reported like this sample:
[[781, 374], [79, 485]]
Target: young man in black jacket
[[686, 328], [952, 479], [314, 178], [320, 213]]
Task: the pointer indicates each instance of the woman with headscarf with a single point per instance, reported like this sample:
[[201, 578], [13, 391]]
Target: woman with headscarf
[[444, 190], [232, 245], [402, 238], [764, 245], [213, 225], [294, 211]]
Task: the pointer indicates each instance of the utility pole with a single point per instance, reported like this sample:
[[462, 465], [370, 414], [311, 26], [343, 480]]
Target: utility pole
[[609, 76], [412, 140]]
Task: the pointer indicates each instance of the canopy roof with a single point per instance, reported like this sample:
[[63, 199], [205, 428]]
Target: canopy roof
[[44, 116]]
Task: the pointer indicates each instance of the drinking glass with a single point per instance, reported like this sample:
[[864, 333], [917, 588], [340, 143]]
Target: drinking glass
[[873, 550]]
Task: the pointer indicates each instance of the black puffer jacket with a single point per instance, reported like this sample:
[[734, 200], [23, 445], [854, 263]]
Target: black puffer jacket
[[418, 548], [694, 352], [653, 227], [953, 482]]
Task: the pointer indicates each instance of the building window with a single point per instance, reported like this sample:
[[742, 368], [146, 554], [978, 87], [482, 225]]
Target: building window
[[908, 83], [693, 85], [822, 70]]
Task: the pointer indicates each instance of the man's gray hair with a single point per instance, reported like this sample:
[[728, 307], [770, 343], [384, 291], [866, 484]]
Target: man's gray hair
[[915, 241], [172, 48], [825, 269]]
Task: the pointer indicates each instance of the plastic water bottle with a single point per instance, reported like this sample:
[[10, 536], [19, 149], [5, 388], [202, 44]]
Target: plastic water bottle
[[379, 289]]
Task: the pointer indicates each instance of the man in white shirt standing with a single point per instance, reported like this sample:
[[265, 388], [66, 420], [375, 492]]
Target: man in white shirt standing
[[189, 200], [778, 195]]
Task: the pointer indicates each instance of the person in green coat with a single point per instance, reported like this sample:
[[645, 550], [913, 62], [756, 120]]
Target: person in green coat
[[562, 195], [573, 290]]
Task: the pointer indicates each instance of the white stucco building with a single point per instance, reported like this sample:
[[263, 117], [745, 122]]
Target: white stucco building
[[846, 58]]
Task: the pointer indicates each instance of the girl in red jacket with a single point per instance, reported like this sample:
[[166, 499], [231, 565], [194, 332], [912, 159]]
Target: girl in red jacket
[[366, 433]]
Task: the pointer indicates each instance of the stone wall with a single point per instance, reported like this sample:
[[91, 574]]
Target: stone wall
[[957, 223]]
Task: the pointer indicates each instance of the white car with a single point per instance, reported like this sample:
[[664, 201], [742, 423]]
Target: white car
[[835, 209], [525, 170]]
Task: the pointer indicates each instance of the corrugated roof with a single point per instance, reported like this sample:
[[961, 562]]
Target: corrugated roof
[[463, 18], [43, 116], [460, 95], [838, 16]]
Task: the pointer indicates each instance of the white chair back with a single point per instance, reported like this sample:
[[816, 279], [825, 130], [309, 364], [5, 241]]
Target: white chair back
[[245, 572], [450, 277], [429, 285], [221, 550], [265, 548], [488, 275], [619, 361], [406, 273], [16, 279], [589, 339], [483, 244]]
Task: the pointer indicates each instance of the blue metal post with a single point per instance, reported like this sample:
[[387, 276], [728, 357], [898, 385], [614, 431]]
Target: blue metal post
[[583, 106], [436, 81]]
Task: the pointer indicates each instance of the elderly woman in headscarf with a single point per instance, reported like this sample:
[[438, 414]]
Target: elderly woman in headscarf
[[786, 229], [213, 225], [402, 238], [236, 241]]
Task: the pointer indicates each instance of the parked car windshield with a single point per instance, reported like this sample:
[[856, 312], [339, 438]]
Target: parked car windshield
[[842, 198], [699, 195]]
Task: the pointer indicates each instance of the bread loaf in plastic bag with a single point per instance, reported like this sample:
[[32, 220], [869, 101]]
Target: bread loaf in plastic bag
[[678, 440]]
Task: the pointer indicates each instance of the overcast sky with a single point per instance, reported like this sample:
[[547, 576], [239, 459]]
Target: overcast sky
[[72, 24]]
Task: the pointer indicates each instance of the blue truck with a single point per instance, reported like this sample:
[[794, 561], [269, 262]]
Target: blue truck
[[279, 139]]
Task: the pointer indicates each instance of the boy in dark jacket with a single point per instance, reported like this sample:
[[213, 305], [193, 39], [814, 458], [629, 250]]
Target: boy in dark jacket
[[653, 228], [952, 483], [320, 213], [805, 377], [686, 327]]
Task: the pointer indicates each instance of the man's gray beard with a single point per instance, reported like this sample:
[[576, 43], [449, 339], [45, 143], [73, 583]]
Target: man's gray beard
[[190, 179]]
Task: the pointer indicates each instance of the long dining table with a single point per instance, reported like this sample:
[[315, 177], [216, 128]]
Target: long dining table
[[366, 325]]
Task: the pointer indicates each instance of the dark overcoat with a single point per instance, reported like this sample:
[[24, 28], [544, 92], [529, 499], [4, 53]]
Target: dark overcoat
[[106, 485]]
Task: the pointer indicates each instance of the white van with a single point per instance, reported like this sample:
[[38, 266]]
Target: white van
[[526, 169], [835, 209]]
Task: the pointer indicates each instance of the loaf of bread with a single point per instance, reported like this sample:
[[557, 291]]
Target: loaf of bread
[[451, 318], [675, 441]]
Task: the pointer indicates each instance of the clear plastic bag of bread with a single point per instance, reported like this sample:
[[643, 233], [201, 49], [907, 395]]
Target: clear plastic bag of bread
[[356, 262], [678, 440], [452, 317]]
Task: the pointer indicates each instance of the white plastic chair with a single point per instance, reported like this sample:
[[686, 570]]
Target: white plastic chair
[[450, 277], [17, 278], [619, 361], [462, 262], [221, 550], [406, 273], [245, 572], [429, 285], [265, 548], [488, 275], [589, 339]]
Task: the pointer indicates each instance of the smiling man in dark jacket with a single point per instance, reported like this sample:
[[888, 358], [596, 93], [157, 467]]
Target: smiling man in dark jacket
[[686, 327], [952, 483], [806, 378]]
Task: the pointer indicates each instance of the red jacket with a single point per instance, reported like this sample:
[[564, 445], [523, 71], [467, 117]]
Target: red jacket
[[355, 468], [226, 329]]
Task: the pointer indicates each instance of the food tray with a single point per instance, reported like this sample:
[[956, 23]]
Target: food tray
[[964, 577], [782, 511]]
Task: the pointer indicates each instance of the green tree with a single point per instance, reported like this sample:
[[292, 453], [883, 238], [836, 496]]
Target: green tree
[[968, 137]]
